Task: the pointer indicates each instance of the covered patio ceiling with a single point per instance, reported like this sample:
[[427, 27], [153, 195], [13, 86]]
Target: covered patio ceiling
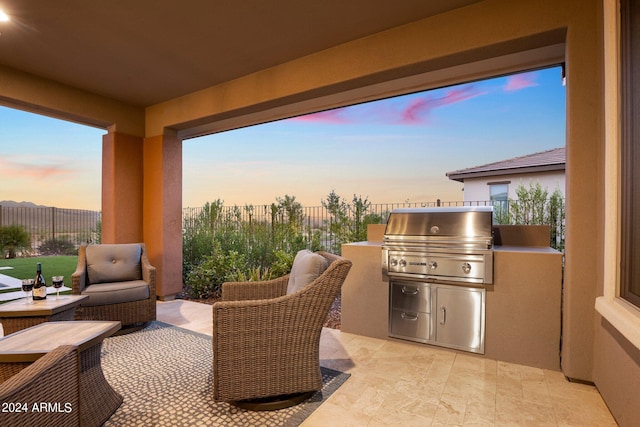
[[149, 51]]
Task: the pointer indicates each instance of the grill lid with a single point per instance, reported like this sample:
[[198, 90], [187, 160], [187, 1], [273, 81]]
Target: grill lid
[[452, 244], [454, 224]]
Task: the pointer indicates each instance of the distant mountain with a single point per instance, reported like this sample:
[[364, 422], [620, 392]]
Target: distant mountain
[[12, 204]]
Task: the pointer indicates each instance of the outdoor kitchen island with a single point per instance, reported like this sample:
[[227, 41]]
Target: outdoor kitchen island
[[523, 305]]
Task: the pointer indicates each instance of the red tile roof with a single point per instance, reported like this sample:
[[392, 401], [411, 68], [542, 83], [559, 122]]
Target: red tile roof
[[538, 162]]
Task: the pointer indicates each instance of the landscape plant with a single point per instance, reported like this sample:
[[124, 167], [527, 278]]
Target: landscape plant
[[348, 222], [534, 206], [229, 244], [242, 243], [60, 246], [14, 239]]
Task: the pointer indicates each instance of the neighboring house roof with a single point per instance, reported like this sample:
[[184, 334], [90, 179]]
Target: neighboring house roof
[[544, 161]]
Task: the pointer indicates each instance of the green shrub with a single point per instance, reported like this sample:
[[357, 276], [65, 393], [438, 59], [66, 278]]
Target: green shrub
[[233, 245], [534, 206], [205, 280], [260, 242], [282, 264], [13, 238], [58, 247]]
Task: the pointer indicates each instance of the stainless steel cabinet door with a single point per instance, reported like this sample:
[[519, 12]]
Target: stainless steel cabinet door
[[460, 317]]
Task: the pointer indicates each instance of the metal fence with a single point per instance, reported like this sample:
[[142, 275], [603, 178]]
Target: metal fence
[[49, 223], [315, 222], [313, 216], [321, 227]]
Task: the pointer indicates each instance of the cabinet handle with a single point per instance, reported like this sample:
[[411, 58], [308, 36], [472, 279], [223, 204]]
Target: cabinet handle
[[412, 317], [443, 309], [406, 292]]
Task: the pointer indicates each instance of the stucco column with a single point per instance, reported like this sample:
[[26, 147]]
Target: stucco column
[[121, 188], [162, 211]]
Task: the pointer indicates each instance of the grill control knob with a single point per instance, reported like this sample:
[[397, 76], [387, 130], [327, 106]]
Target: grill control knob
[[466, 267], [394, 262], [403, 263], [433, 265]]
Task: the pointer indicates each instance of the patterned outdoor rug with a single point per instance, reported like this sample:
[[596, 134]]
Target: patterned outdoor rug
[[164, 373]]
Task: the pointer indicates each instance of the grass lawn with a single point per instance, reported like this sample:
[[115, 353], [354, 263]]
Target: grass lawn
[[25, 268]]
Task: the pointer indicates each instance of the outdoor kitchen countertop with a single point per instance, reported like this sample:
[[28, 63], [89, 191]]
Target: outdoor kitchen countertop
[[536, 249]]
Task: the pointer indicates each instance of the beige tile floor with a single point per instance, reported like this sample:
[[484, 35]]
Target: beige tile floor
[[401, 383]]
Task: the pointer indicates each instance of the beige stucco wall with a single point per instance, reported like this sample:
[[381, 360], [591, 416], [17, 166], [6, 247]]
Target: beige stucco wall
[[162, 210], [37, 95], [122, 188], [522, 305]]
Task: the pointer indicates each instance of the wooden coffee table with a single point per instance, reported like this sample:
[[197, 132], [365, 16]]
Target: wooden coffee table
[[98, 400], [17, 315]]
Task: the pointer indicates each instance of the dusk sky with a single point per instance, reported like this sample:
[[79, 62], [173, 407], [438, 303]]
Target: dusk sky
[[388, 151]]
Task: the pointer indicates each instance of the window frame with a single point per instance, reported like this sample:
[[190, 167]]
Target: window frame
[[630, 151]]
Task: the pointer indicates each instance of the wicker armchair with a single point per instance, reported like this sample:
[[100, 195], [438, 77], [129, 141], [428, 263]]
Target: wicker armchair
[[265, 342], [52, 378], [120, 283]]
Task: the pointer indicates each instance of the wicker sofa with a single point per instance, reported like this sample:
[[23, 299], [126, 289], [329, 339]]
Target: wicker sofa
[[266, 335], [52, 378], [120, 283]]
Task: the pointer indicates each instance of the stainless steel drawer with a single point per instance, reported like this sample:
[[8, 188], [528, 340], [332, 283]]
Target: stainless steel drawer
[[415, 326], [412, 297]]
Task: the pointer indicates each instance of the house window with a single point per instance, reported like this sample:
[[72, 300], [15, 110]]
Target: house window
[[499, 193], [630, 150]]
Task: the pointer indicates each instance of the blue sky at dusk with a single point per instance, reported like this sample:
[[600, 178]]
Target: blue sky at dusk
[[391, 150]]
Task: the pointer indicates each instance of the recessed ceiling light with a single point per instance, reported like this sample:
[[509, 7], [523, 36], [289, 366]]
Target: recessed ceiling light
[[3, 16]]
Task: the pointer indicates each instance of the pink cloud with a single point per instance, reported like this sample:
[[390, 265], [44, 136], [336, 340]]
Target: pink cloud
[[520, 81], [418, 109], [34, 171], [412, 111], [329, 116]]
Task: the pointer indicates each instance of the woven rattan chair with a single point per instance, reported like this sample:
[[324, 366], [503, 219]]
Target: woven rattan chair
[[266, 342], [120, 283], [52, 378]]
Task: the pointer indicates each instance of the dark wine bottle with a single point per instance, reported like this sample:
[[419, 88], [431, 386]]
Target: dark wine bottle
[[39, 286]]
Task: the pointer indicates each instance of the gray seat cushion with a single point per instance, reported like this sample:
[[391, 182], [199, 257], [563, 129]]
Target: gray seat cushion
[[113, 263], [307, 266], [116, 292]]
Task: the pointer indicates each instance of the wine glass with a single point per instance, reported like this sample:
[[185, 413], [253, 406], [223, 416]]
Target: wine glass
[[27, 286], [58, 282]]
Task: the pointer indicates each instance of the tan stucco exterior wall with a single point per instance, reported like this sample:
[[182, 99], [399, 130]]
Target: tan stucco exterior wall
[[38, 95], [162, 211], [122, 185]]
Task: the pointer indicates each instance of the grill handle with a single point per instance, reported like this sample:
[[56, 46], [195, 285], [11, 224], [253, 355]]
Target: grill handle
[[406, 291], [443, 309], [409, 316]]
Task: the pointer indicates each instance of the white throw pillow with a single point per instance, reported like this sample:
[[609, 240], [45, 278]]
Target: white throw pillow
[[307, 266]]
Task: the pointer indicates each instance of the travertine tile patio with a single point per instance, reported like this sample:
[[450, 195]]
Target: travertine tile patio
[[401, 383]]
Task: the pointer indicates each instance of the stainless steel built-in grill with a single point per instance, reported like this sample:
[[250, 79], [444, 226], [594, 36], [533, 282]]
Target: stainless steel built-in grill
[[437, 261], [452, 244]]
